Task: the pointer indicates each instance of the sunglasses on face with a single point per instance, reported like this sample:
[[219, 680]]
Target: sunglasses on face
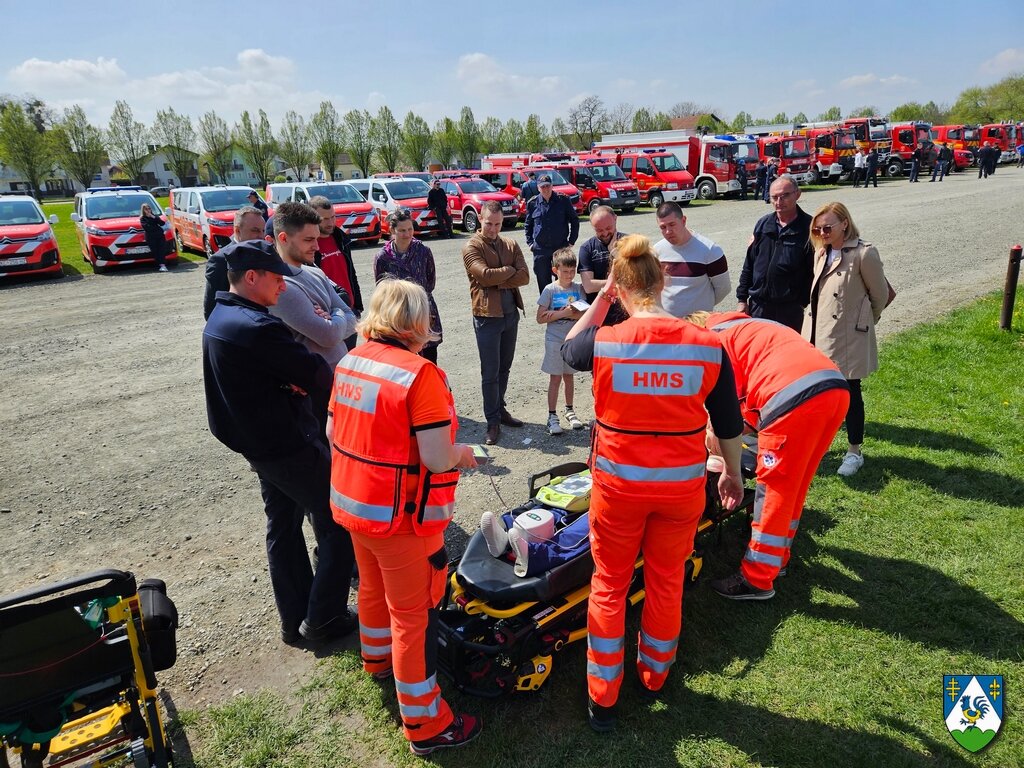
[[824, 229]]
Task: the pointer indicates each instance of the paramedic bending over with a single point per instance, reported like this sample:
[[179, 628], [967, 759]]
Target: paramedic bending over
[[394, 467], [653, 377]]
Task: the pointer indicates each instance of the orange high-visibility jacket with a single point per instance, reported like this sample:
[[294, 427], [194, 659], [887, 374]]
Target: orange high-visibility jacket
[[375, 451], [651, 377], [776, 369]]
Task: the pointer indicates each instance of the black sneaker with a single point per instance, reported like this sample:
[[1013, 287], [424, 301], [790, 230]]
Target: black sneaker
[[464, 729], [601, 719], [290, 633], [334, 629], [735, 587]]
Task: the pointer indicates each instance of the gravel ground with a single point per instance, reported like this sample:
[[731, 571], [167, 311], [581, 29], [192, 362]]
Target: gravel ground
[[107, 461]]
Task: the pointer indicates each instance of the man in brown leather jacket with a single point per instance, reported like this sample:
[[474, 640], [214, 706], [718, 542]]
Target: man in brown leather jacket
[[496, 269]]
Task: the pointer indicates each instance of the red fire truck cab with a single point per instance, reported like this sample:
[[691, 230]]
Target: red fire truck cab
[[599, 180], [870, 133], [965, 137], [832, 150], [793, 154], [1004, 137]]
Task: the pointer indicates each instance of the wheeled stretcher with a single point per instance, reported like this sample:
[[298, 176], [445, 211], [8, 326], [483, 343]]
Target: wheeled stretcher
[[500, 633]]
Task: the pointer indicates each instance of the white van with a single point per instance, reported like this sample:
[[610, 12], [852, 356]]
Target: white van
[[359, 220], [204, 217], [387, 195]]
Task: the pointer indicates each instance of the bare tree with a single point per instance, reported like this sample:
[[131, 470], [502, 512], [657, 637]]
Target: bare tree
[[444, 140], [467, 138], [25, 148], [215, 143], [416, 141], [359, 138], [587, 122], [328, 137], [620, 118], [127, 141], [689, 109], [78, 145], [293, 143], [257, 144], [178, 139], [387, 138], [561, 137], [490, 135], [512, 137]]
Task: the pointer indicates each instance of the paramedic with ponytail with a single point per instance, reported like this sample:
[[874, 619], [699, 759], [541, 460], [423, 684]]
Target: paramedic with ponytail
[[395, 464], [656, 380]]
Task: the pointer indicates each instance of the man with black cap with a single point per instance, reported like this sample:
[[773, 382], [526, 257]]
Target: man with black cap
[[551, 223], [260, 383], [437, 201], [255, 202]]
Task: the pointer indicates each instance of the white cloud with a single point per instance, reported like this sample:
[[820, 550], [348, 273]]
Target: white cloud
[[257, 80], [862, 81], [1004, 62], [484, 77]]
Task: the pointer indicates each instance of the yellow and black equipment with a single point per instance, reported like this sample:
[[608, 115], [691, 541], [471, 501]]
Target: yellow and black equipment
[[78, 663]]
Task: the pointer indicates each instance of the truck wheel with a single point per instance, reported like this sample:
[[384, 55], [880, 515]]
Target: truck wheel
[[470, 221], [894, 168], [207, 248], [706, 190], [815, 175], [594, 205], [179, 241], [656, 199]]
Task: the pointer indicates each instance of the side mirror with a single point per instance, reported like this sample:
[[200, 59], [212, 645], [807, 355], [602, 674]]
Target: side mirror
[[53, 218], [193, 209], [75, 217]]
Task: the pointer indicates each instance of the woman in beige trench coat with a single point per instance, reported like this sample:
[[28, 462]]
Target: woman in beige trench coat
[[848, 294]]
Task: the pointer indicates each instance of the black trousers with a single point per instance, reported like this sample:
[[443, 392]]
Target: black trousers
[[444, 218], [855, 414], [790, 315], [292, 487]]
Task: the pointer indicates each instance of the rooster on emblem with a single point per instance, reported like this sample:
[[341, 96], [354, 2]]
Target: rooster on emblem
[[971, 716]]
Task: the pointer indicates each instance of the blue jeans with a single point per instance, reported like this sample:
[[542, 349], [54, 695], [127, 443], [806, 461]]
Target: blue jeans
[[914, 167], [292, 486], [496, 343], [939, 169]]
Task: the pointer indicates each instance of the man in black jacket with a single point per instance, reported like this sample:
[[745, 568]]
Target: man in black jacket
[[741, 177], [259, 205], [260, 384], [871, 165], [437, 201], [248, 225], [551, 223], [775, 282]]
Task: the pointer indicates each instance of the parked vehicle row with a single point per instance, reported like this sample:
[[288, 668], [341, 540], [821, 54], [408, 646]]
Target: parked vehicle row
[[108, 227]]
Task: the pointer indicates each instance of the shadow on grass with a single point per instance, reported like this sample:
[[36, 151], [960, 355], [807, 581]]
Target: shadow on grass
[[899, 434], [961, 482]]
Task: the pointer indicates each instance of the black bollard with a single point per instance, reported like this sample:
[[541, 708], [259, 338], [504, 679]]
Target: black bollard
[[1010, 288]]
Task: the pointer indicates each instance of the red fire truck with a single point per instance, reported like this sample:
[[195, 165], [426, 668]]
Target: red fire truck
[[710, 161], [1003, 136], [833, 148], [870, 133], [599, 180], [966, 137], [779, 143], [524, 161]]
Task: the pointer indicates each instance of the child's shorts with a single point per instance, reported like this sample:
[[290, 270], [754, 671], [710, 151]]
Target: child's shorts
[[553, 364]]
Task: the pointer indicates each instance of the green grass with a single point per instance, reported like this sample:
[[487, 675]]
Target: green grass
[[67, 238], [905, 572]]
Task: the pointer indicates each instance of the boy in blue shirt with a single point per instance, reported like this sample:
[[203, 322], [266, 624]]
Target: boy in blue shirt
[[559, 308]]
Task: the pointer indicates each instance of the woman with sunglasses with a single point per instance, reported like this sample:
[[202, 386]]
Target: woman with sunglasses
[[848, 293]]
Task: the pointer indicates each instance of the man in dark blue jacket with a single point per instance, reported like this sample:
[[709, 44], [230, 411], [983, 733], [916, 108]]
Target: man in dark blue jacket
[[551, 223], [260, 385]]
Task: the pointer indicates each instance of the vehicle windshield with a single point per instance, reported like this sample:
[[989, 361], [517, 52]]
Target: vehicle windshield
[[336, 193], [795, 148], [923, 134], [424, 177], [408, 189], [610, 172], [476, 186], [15, 212], [123, 206], [667, 162], [878, 130], [743, 150], [218, 200], [844, 140], [970, 134]]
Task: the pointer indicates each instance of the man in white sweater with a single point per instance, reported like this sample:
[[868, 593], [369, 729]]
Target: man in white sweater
[[696, 272]]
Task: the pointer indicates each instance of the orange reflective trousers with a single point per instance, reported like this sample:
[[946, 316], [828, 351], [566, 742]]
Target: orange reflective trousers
[[788, 453], [619, 528], [399, 588]]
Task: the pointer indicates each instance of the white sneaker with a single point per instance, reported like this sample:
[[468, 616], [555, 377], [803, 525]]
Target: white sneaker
[[162, 268], [554, 427], [519, 545], [494, 533], [573, 419], [852, 462]]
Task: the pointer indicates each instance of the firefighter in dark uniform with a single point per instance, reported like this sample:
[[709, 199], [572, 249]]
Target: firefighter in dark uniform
[[437, 201], [741, 177]]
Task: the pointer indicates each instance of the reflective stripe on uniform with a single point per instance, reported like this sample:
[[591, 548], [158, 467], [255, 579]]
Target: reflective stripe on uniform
[[647, 351], [386, 371], [658, 667], [374, 631], [763, 557], [605, 644], [360, 394], [606, 672], [799, 391], [741, 321], [421, 688], [438, 512], [759, 493], [376, 513], [769, 540], [375, 650], [414, 710], [650, 474], [661, 646]]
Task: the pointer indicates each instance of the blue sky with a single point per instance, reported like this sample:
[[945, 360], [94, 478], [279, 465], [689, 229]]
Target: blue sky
[[504, 59]]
